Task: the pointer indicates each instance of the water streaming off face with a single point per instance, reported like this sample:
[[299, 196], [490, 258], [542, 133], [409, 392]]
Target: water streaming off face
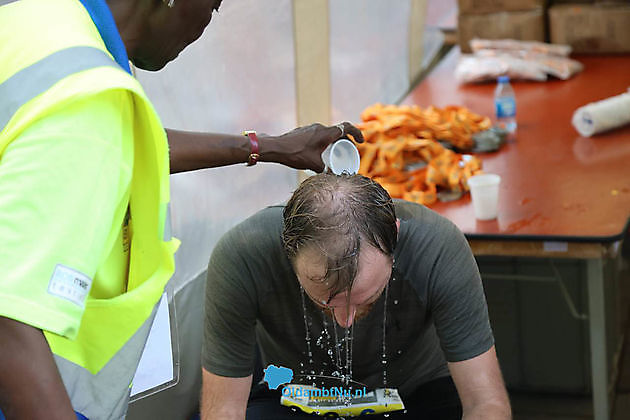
[[339, 349], [384, 354], [309, 352], [348, 349], [331, 349]]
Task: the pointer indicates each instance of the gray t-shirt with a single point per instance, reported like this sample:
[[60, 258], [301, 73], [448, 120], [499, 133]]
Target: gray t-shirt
[[436, 308]]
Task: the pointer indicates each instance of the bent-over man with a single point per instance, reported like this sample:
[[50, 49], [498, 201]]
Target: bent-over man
[[344, 283]]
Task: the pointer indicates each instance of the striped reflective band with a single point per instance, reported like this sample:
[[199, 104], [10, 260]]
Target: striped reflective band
[[3, 2], [168, 233], [37, 78]]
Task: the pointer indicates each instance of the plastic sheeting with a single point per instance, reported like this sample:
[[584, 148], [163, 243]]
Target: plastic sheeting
[[369, 54], [237, 76]]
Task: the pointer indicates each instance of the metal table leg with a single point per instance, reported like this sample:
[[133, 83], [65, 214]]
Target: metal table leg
[[597, 329]]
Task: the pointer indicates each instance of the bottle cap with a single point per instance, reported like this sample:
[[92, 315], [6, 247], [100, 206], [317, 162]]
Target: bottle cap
[[504, 79]]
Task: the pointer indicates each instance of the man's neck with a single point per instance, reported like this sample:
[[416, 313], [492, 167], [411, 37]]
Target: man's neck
[[130, 17]]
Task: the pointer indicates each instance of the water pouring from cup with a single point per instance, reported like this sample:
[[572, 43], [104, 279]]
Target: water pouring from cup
[[341, 157]]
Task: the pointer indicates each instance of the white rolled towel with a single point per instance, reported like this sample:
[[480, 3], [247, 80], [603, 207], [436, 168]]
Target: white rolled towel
[[603, 115]]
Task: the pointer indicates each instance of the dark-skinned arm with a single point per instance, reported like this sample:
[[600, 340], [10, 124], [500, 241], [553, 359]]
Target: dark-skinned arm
[[299, 149], [30, 385]]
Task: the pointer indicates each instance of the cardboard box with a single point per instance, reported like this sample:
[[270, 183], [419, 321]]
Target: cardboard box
[[597, 28], [469, 7], [553, 2], [527, 25]]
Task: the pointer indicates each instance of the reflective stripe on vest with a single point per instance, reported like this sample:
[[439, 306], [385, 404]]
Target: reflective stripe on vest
[[100, 396], [37, 78], [4, 2], [167, 235]]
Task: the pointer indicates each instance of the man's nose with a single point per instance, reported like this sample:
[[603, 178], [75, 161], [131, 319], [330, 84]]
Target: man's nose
[[345, 317]]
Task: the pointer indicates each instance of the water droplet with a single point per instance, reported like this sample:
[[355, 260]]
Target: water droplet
[[395, 301], [398, 351], [306, 325], [384, 362], [386, 415], [405, 412]]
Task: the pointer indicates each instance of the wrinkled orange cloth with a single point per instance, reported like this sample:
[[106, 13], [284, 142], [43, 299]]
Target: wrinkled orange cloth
[[397, 138]]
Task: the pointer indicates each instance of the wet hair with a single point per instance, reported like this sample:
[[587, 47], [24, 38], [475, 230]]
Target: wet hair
[[338, 213]]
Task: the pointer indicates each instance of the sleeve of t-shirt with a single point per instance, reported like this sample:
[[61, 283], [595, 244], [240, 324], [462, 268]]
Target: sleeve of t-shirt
[[457, 300], [59, 188], [230, 309]]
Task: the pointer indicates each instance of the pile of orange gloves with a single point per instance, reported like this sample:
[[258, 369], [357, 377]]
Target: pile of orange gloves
[[402, 152]]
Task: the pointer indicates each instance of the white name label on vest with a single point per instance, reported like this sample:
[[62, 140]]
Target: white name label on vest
[[69, 284]]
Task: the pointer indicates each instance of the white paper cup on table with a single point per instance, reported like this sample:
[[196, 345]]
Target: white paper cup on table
[[340, 157], [484, 190]]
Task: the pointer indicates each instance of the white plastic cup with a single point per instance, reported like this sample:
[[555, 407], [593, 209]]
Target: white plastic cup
[[340, 157], [484, 190]]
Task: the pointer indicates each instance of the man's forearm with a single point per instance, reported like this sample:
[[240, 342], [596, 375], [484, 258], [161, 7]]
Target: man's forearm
[[190, 151], [212, 412], [224, 398], [215, 405], [489, 411], [30, 385], [300, 148]]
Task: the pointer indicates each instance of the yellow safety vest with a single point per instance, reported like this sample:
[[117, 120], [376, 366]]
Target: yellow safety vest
[[35, 80]]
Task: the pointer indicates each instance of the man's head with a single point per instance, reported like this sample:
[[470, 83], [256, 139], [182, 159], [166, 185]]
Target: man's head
[[340, 233], [155, 33]]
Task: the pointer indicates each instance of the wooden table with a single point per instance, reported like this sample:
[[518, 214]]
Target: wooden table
[[561, 195]]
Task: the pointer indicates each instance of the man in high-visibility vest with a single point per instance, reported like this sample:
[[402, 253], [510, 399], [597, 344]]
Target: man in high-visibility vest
[[85, 245]]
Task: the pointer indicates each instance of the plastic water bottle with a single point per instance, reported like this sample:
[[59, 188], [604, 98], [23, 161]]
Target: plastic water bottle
[[505, 105]]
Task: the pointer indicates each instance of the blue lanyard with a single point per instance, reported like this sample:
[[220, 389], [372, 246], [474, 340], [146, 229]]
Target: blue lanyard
[[104, 21], [79, 416]]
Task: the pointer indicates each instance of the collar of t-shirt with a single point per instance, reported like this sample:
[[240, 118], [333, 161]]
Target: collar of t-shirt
[[104, 21]]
